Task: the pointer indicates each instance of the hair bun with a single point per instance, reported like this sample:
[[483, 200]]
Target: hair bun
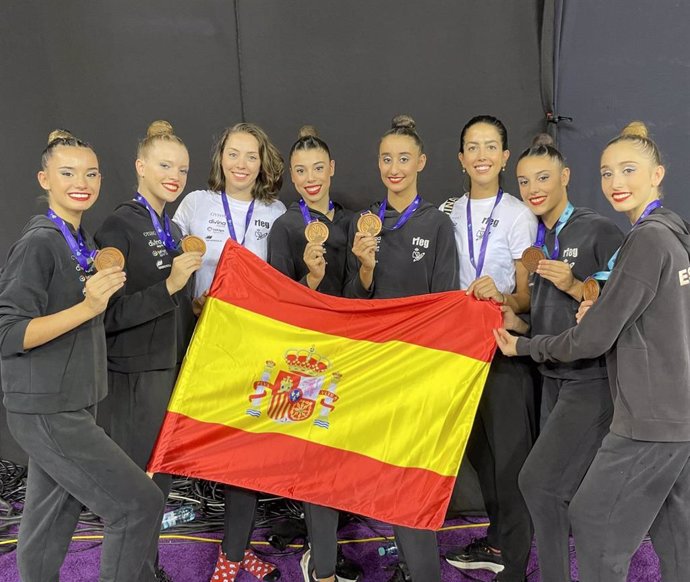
[[59, 134], [307, 131], [542, 139], [403, 121], [159, 127], [635, 129]]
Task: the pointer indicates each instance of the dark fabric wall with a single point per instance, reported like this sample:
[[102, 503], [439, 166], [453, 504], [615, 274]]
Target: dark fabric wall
[[619, 61], [104, 70]]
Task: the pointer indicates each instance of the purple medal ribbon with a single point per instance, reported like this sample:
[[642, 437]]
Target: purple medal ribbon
[[409, 211], [78, 247], [305, 211], [485, 239], [164, 233], [228, 218], [604, 275]]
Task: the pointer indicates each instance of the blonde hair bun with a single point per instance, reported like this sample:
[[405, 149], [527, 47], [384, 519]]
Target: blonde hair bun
[[159, 127], [59, 134], [542, 139], [307, 131], [403, 122], [635, 129]]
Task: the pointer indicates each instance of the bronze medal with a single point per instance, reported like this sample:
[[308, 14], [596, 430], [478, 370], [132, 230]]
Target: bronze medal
[[316, 232], [370, 223], [531, 257], [109, 257], [590, 289], [193, 244]]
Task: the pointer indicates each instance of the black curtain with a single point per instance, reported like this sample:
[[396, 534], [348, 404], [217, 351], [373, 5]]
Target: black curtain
[[619, 61]]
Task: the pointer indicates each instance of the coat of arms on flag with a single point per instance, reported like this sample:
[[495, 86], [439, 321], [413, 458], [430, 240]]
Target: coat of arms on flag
[[295, 393]]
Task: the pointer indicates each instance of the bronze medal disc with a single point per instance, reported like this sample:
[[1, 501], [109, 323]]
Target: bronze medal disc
[[316, 232], [109, 257], [193, 244], [531, 257], [370, 223], [590, 289]]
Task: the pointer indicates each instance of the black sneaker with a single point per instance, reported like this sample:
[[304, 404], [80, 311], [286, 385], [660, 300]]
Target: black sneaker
[[347, 570], [400, 574], [476, 556], [307, 569], [162, 576]]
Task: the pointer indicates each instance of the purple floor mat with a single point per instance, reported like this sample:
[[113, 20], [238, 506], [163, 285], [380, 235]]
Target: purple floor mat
[[193, 561]]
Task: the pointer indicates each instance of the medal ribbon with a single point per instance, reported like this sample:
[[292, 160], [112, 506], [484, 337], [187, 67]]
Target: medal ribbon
[[305, 211], [409, 211], [164, 233], [228, 218], [479, 265], [604, 275], [541, 233], [78, 247]]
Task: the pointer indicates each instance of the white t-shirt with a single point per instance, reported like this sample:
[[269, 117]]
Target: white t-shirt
[[201, 213], [514, 228]]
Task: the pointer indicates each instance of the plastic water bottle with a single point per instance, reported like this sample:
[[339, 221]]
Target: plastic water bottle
[[388, 550], [182, 514]]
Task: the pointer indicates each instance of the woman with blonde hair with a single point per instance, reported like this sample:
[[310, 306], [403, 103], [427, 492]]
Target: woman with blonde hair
[[149, 322]]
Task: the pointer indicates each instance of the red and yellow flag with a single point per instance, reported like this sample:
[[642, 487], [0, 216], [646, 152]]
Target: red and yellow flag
[[361, 405]]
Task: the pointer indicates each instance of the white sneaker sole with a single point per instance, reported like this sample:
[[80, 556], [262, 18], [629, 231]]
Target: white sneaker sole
[[491, 566]]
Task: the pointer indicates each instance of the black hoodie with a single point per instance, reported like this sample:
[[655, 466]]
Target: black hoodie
[[418, 258], [641, 323], [147, 328], [286, 244], [587, 242], [41, 277]]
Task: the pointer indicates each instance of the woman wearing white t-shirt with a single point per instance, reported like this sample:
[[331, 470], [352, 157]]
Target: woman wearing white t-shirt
[[492, 229], [246, 175], [242, 199]]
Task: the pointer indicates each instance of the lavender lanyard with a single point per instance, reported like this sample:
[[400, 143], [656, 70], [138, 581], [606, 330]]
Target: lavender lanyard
[[305, 211], [409, 211], [479, 265], [541, 233], [164, 233], [604, 275], [78, 247], [228, 218]]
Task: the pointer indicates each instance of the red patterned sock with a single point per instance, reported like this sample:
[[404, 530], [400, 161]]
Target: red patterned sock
[[226, 571], [258, 568]]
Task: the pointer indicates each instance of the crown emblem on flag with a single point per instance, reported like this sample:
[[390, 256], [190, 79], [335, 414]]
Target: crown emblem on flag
[[306, 362], [298, 393]]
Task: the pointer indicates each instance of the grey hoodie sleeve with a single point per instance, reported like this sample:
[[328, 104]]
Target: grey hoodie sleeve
[[24, 290], [632, 286]]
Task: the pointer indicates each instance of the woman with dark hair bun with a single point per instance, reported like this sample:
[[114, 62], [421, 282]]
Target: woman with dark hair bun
[[492, 229], [576, 404], [413, 254], [150, 322], [639, 480], [53, 354], [309, 244]]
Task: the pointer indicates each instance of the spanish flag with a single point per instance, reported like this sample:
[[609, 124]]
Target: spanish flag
[[360, 405]]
